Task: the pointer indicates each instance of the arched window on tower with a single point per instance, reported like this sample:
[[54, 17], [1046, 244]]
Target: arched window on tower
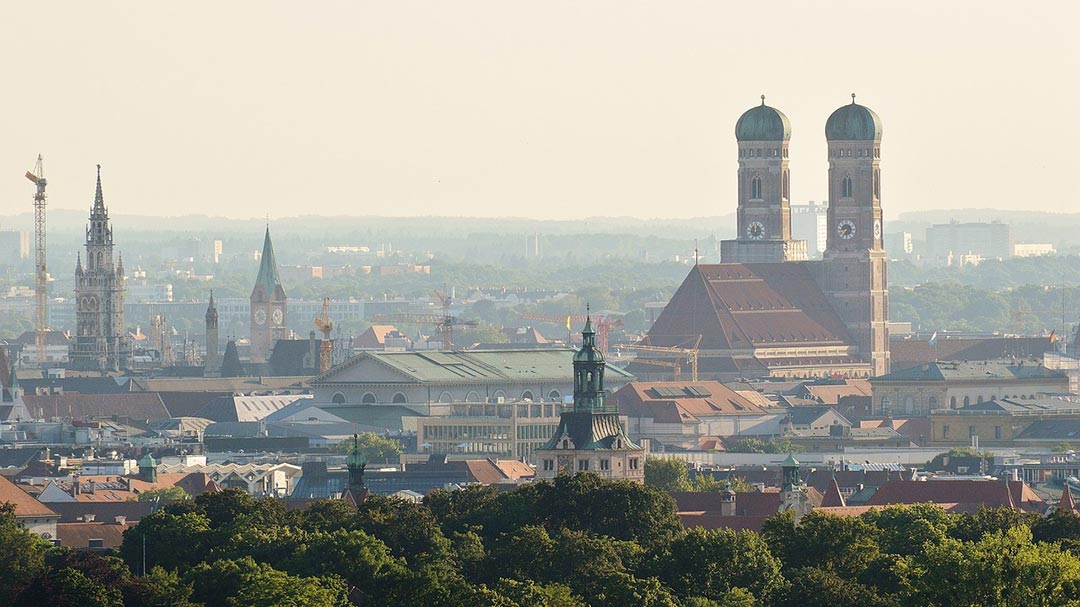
[[877, 183], [755, 188], [847, 187], [786, 186]]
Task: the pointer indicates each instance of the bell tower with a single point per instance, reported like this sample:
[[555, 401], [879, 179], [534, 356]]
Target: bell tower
[[854, 264], [268, 305], [764, 212]]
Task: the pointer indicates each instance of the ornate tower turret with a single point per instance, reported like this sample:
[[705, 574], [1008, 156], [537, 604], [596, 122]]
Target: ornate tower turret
[[764, 213], [590, 436]]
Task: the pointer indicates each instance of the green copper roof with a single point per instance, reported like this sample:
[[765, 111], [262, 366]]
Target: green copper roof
[[268, 275], [763, 123], [147, 461], [790, 461], [590, 432], [853, 122]]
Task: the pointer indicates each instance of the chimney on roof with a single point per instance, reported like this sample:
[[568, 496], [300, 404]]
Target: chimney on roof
[[90, 487], [76, 486], [727, 501], [120, 520], [88, 518]]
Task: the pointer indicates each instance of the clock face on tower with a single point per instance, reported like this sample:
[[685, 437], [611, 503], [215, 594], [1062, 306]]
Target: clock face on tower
[[756, 230], [278, 316], [260, 317], [846, 229]]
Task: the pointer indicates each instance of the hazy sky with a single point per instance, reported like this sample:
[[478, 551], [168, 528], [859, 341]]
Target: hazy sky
[[539, 109]]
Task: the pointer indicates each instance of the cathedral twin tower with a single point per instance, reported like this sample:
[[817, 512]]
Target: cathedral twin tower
[[852, 273]]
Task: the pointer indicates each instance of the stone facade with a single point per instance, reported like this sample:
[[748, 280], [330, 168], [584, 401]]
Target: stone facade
[[100, 342]]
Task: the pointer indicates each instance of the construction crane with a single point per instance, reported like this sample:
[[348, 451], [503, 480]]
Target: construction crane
[[41, 277], [324, 324], [1018, 316], [444, 322], [674, 365], [603, 325], [690, 354]]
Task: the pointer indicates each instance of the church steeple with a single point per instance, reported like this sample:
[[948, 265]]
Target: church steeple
[[268, 277]]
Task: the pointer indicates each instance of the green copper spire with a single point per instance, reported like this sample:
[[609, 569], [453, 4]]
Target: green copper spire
[[589, 372], [268, 277]]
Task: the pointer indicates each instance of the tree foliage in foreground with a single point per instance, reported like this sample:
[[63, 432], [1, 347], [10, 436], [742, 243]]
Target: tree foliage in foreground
[[574, 542]]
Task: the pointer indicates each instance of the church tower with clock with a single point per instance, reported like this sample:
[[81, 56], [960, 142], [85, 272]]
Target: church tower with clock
[[764, 212], [268, 306], [853, 271], [100, 342]]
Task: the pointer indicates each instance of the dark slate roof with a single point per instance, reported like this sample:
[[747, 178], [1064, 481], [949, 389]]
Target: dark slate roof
[[590, 431], [979, 370], [147, 406], [1056, 429], [52, 338], [763, 123], [853, 122], [71, 512], [1016, 405], [907, 353], [18, 458], [803, 416], [186, 404], [81, 385], [737, 306], [292, 357]]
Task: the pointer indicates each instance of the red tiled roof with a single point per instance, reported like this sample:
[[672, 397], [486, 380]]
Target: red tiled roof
[[714, 520], [987, 493], [832, 497], [484, 471], [25, 504], [515, 469], [78, 535], [830, 394], [660, 401], [735, 306], [1066, 502]]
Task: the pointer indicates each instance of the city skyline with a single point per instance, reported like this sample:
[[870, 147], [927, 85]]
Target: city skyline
[[492, 110]]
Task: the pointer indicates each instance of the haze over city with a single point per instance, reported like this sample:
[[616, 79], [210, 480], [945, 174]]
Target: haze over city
[[243, 109]]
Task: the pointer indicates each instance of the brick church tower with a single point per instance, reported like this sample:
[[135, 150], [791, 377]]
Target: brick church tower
[[853, 271], [268, 306], [764, 212]]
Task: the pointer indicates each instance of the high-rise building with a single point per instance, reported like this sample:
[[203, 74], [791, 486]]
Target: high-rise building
[[100, 342], [810, 222], [991, 240], [268, 306], [590, 437]]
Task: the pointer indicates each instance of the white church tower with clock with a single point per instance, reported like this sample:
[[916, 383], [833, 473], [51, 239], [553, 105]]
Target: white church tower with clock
[[268, 306]]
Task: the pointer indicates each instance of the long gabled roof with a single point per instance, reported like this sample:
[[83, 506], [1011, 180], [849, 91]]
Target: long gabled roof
[[987, 370], [739, 306], [25, 504], [525, 365]]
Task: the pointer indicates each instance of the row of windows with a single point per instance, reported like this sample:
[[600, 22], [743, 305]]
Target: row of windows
[[908, 402], [971, 432], [463, 432], [763, 153], [583, 464], [756, 192], [369, 398], [847, 185], [848, 153]]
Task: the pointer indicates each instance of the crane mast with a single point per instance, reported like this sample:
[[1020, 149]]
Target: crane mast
[[41, 276]]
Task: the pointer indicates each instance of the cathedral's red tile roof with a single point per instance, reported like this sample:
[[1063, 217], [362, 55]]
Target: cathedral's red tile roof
[[736, 306]]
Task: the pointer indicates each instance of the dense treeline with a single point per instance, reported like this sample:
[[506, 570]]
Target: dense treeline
[[575, 542]]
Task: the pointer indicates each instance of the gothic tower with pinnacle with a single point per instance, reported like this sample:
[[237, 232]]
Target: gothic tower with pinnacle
[[212, 363], [100, 342], [854, 265], [764, 211], [590, 436], [268, 306]]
